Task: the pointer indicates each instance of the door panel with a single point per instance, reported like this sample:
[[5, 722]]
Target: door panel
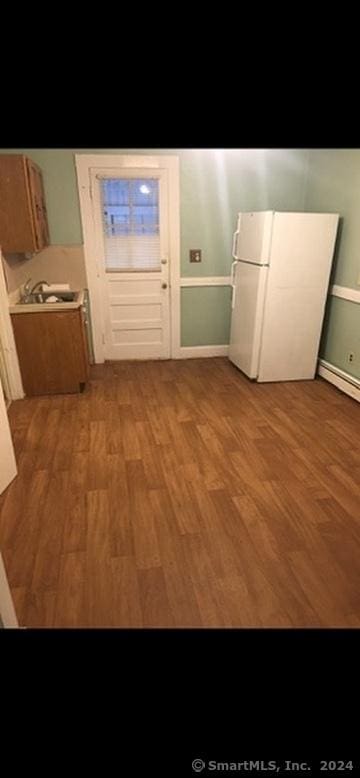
[[253, 240], [137, 318], [128, 286], [139, 336], [246, 320], [3, 375], [8, 468], [127, 312], [133, 256], [7, 611], [37, 204]]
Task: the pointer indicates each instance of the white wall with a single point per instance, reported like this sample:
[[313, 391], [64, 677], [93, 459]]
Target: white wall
[[55, 264]]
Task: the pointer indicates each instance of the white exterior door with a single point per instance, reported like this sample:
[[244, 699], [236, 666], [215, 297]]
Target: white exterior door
[[8, 471], [131, 225], [7, 611], [7, 457]]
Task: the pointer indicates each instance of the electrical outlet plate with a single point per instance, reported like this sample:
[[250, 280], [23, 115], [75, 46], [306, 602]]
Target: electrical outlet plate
[[195, 255]]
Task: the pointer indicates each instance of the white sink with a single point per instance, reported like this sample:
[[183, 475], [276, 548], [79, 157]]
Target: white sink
[[39, 298], [33, 303]]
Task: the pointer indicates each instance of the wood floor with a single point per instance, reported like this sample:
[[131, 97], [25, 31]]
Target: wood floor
[[180, 494]]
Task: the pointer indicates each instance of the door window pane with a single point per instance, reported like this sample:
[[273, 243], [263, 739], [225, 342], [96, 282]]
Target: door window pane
[[130, 215]]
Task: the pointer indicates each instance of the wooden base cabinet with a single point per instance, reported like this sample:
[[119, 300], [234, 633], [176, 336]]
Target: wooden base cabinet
[[52, 350]]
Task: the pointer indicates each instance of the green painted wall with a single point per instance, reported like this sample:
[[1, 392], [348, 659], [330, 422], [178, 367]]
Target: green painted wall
[[62, 201], [341, 335], [214, 185], [333, 184], [205, 315]]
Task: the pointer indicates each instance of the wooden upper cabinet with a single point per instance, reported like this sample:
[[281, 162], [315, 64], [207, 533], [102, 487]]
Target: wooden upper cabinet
[[23, 216]]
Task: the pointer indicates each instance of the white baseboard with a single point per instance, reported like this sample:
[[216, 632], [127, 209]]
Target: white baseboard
[[198, 352], [343, 381]]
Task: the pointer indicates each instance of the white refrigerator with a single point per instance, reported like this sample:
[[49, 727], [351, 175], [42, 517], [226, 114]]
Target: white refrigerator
[[280, 278]]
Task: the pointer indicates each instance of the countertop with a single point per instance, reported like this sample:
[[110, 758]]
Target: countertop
[[18, 307]]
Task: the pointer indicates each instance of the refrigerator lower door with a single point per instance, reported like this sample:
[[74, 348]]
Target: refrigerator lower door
[[247, 316]]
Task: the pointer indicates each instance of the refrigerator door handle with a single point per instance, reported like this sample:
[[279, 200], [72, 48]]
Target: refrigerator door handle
[[233, 298], [232, 275], [232, 283], [234, 244]]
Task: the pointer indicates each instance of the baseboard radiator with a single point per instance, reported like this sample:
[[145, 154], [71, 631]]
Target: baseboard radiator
[[342, 380]]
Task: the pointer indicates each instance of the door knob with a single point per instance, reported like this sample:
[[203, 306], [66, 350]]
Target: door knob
[[164, 261], [164, 286]]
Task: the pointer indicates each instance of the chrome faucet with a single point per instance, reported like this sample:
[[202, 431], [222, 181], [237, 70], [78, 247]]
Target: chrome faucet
[[27, 287], [37, 284], [28, 290]]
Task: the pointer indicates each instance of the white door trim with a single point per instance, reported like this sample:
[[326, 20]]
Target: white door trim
[[7, 610], [14, 385], [84, 163]]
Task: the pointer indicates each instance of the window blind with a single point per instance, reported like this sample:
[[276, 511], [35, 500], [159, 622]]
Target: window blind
[[130, 218]]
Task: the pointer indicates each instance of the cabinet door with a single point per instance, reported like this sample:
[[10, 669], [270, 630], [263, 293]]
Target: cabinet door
[[16, 220], [38, 205], [44, 218], [7, 456], [51, 351]]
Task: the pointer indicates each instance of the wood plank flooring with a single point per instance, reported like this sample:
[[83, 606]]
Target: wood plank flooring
[[181, 494]]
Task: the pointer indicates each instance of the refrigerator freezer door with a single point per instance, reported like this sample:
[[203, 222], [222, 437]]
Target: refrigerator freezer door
[[253, 240], [246, 320]]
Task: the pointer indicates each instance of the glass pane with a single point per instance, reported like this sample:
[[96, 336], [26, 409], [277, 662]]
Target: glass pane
[[130, 216]]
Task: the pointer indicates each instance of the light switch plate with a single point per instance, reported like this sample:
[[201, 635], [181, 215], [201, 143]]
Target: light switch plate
[[195, 255]]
